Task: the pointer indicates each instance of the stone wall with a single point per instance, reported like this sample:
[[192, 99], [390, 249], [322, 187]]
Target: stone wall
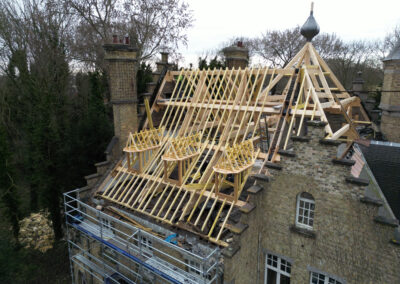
[[345, 240], [390, 101]]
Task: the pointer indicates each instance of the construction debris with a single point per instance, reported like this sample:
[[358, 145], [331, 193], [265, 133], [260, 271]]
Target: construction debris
[[36, 232]]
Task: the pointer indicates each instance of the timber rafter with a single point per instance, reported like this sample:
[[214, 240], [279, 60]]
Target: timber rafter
[[207, 135]]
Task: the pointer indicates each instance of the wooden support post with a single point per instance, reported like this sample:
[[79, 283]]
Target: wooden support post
[[165, 170], [180, 172], [128, 159], [236, 181]]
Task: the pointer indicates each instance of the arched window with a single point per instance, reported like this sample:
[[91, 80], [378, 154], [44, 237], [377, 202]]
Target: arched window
[[305, 210]]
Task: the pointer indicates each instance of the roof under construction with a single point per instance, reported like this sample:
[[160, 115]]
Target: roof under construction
[[200, 144]]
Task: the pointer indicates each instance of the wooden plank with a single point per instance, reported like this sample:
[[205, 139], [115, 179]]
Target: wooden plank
[[342, 131]]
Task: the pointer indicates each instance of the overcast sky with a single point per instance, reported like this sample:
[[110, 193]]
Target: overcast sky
[[216, 21]]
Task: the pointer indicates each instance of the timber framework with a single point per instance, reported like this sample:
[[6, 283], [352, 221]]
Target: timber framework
[[188, 166]]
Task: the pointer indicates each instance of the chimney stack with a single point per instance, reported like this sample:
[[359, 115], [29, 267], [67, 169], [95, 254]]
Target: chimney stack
[[122, 68], [236, 56], [390, 101]]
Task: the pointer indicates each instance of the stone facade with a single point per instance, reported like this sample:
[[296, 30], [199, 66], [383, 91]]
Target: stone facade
[[345, 240], [122, 70], [236, 56], [390, 101]]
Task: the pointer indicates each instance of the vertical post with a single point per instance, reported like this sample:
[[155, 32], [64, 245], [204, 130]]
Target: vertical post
[[236, 187], [180, 179], [71, 267], [128, 159], [165, 170]]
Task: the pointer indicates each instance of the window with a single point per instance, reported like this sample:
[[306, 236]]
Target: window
[[305, 210], [319, 278], [277, 270]]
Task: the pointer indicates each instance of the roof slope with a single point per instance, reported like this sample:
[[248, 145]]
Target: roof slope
[[384, 160], [190, 170]]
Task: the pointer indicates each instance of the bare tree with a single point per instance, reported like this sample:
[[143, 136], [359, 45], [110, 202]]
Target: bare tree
[[151, 24]]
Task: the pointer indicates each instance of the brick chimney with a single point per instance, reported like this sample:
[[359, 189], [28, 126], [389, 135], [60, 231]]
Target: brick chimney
[[236, 56], [390, 101], [121, 57]]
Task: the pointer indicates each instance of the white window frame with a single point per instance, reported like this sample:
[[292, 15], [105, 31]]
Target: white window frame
[[328, 279], [310, 203], [276, 268]]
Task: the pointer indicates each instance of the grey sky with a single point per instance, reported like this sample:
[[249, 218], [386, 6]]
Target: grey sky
[[217, 21]]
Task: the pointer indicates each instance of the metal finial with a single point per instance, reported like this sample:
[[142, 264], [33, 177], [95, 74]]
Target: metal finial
[[310, 28]]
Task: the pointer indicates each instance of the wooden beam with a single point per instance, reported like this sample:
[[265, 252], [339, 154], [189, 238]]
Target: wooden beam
[[342, 131]]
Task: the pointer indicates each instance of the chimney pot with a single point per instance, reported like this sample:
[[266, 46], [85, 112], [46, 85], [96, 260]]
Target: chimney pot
[[240, 43], [115, 39], [126, 39]]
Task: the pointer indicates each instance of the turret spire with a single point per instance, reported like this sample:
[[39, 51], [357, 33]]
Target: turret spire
[[310, 28]]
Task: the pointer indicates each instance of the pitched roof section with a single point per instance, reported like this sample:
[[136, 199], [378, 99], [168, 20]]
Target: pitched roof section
[[384, 160], [190, 171]]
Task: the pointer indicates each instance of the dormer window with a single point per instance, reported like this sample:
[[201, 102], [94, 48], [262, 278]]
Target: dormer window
[[305, 210]]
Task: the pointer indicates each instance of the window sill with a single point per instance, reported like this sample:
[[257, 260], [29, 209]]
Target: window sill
[[303, 231]]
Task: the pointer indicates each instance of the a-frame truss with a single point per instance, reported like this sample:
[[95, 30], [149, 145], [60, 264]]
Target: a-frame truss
[[189, 171]]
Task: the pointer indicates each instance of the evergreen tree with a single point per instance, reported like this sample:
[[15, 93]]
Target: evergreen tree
[[8, 196]]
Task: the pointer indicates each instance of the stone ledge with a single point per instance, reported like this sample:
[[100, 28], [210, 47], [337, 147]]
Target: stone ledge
[[357, 181], [111, 145], [329, 142], [287, 153], [386, 221], [261, 177], [274, 166], [101, 164], [344, 162], [255, 189], [302, 231], [246, 209], [92, 176], [231, 250], [237, 228], [372, 201], [396, 239], [301, 138], [316, 123]]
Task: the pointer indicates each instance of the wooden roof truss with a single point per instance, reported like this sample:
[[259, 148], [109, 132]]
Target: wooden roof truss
[[190, 170]]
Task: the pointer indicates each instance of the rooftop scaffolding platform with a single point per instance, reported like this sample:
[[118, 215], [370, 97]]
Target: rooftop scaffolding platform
[[114, 251]]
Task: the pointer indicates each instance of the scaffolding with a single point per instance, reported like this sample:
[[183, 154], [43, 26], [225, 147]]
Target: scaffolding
[[114, 251]]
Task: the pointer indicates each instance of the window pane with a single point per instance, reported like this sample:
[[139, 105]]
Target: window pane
[[271, 276], [284, 279]]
